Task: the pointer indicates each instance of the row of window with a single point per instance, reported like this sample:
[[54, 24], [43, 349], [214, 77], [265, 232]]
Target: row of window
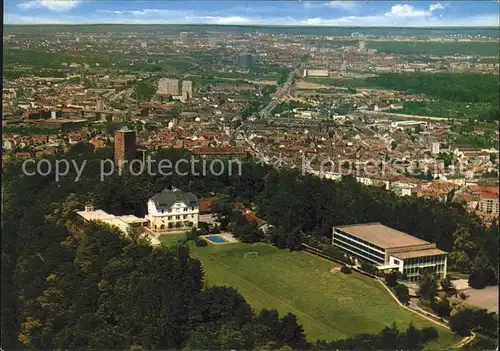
[[424, 259], [171, 218], [352, 237], [186, 209], [172, 225], [353, 249], [370, 251], [420, 270]]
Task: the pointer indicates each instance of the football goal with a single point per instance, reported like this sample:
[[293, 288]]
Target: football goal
[[251, 254], [345, 302]]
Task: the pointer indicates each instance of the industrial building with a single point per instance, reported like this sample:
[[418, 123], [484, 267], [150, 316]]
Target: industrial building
[[316, 73], [387, 248]]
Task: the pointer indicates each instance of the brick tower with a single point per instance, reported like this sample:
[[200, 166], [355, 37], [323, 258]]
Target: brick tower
[[125, 146]]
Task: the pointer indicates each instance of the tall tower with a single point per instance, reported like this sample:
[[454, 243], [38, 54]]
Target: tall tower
[[99, 103], [343, 66], [173, 87], [168, 86], [184, 36], [212, 42], [362, 46], [187, 90], [82, 74], [125, 146]]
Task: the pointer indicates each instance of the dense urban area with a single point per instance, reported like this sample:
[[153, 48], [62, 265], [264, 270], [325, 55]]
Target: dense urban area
[[328, 188]]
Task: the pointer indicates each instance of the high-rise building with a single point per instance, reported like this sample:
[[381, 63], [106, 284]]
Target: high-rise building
[[362, 46], [245, 60], [125, 146], [187, 90], [168, 86], [435, 148], [173, 87], [212, 42], [99, 105], [184, 36], [162, 86], [128, 117], [343, 66]]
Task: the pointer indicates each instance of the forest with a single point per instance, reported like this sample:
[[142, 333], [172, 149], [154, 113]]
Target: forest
[[68, 286], [459, 87], [428, 48], [457, 95]]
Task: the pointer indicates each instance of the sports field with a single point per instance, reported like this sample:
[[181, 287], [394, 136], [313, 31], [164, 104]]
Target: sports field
[[301, 283]]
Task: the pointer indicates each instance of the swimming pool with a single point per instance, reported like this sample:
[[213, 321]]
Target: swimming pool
[[217, 239]]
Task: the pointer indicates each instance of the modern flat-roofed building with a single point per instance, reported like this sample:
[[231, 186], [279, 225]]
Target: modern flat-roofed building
[[124, 223], [387, 248]]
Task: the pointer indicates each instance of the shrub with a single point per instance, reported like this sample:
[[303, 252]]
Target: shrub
[[201, 243], [345, 270], [477, 279], [462, 322], [203, 228], [391, 279], [402, 293], [216, 229], [368, 268], [447, 285], [192, 234], [442, 307], [428, 334], [333, 253]]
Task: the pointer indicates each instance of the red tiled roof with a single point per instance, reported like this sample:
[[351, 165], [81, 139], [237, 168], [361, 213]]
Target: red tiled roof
[[252, 218], [488, 196], [206, 204]]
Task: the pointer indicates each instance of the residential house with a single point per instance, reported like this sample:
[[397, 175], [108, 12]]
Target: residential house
[[173, 210]]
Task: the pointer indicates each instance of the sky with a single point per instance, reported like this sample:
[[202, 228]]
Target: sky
[[251, 12]]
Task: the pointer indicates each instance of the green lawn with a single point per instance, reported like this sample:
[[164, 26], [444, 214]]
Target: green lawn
[[173, 238], [301, 283]]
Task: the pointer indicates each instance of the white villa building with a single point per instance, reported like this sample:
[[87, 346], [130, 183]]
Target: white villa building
[[173, 210], [387, 248]]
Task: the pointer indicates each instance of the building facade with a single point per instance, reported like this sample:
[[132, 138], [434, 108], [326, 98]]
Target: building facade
[[125, 146], [488, 203], [124, 223], [168, 86], [389, 249], [435, 148], [187, 90], [173, 210]]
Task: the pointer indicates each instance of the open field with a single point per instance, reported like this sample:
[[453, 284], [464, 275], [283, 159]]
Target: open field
[[264, 82], [170, 239], [305, 85], [301, 283]]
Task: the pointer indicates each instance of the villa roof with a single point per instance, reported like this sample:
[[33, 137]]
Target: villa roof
[[168, 197], [206, 204]]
